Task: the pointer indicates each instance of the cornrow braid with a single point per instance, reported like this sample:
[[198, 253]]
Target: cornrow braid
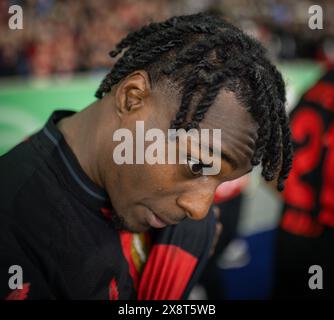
[[190, 84], [143, 46], [286, 133], [129, 63], [231, 69], [202, 25], [204, 54]]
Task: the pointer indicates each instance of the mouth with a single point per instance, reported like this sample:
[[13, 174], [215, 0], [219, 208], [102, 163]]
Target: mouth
[[155, 221]]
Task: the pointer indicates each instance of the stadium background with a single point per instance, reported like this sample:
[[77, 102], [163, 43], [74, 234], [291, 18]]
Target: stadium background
[[61, 55]]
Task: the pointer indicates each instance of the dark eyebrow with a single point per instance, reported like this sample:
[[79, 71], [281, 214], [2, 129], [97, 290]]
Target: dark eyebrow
[[227, 158]]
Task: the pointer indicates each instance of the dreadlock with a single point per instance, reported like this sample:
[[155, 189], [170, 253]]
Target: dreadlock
[[204, 54]]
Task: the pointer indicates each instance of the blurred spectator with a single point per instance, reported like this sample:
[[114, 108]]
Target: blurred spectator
[[67, 36]]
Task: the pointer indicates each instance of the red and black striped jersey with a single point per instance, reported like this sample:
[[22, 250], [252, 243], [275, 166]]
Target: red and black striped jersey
[[55, 224]]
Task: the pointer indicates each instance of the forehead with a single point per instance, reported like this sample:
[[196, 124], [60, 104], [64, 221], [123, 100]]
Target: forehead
[[238, 129], [228, 114]]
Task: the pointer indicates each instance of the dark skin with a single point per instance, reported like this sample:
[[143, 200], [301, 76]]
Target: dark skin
[[171, 191]]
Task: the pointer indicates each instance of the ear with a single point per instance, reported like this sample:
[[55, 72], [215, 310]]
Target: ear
[[131, 92]]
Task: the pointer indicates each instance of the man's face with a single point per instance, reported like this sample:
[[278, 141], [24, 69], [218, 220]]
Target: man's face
[[172, 192]]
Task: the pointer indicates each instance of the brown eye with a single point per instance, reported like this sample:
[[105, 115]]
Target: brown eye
[[195, 166]]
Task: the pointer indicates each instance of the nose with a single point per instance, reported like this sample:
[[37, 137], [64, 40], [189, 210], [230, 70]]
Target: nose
[[196, 203]]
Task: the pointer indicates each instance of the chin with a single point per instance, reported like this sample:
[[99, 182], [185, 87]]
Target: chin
[[129, 224], [134, 228], [137, 229]]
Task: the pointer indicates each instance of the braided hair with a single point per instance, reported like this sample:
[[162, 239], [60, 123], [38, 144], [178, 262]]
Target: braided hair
[[204, 54]]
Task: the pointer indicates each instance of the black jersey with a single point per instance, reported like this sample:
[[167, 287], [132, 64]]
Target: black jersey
[[55, 224]]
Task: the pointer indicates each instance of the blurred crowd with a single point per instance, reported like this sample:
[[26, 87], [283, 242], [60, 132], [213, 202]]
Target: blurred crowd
[[67, 36], [60, 36]]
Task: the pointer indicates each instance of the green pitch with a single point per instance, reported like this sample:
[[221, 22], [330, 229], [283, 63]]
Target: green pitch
[[26, 105]]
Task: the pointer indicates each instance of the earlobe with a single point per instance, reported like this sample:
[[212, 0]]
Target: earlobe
[[131, 92]]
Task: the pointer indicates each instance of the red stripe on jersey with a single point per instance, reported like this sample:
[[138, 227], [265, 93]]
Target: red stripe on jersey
[[19, 294], [113, 290], [323, 94], [107, 213], [126, 241], [301, 223], [167, 273]]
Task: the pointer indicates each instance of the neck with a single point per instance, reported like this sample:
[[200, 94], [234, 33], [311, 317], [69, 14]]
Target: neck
[[80, 133]]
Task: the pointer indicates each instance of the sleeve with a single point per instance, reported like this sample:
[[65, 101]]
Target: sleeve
[[177, 258], [16, 268]]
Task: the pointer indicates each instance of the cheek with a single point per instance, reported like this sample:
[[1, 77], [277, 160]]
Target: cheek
[[138, 182], [159, 179]]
